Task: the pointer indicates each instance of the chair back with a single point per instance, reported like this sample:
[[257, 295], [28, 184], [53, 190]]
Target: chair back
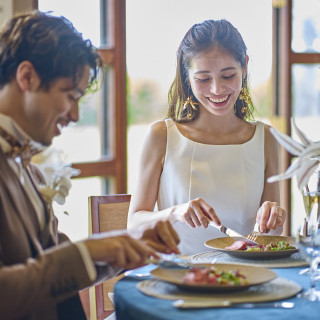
[[106, 213]]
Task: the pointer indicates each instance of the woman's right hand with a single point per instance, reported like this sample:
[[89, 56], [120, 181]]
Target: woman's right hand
[[195, 213]]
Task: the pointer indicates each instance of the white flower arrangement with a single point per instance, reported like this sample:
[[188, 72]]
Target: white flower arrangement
[[57, 176], [307, 155]]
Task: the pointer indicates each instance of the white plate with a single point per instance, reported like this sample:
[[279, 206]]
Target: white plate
[[220, 244], [254, 275]]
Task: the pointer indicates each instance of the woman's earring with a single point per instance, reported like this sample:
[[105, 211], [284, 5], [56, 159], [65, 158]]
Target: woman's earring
[[244, 96], [190, 105]]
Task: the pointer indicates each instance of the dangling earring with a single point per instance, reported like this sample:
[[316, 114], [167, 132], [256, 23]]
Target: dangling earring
[[190, 105], [244, 96]]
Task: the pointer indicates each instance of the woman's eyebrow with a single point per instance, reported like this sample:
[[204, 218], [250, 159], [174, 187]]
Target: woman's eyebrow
[[222, 70], [228, 68], [202, 71]]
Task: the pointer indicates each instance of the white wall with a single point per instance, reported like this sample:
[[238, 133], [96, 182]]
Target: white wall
[[6, 10]]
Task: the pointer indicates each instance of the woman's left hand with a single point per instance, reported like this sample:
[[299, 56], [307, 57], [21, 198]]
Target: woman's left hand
[[270, 216]]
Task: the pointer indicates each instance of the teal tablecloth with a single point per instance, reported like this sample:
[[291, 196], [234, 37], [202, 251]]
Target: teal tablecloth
[[131, 304]]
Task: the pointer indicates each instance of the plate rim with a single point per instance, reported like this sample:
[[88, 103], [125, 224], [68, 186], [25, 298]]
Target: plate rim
[[254, 254], [218, 288]]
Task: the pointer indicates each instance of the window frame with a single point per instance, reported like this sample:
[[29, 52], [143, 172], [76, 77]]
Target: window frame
[[283, 60], [113, 167]]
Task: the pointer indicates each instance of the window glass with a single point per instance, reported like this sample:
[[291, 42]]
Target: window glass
[[306, 112], [81, 142], [306, 26], [306, 91], [73, 215], [84, 14]]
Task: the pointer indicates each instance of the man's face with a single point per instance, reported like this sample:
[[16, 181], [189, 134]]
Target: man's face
[[47, 111]]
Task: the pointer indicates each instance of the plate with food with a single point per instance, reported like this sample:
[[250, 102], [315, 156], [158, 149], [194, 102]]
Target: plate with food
[[215, 277], [270, 247]]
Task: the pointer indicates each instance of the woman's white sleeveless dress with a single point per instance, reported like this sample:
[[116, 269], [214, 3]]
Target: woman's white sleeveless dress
[[228, 177]]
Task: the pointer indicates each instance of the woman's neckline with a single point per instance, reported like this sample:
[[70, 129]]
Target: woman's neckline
[[255, 123]]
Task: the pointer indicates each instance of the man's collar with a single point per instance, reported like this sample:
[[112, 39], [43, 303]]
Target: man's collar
[[15, 142]]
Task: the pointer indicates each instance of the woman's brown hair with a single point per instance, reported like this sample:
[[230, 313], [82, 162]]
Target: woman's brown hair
[[200, 38]]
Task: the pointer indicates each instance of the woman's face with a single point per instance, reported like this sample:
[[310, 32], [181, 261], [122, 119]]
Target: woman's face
[[216, 80]]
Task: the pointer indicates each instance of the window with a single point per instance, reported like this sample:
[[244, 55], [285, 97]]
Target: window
[[97, 143], [298, 76]]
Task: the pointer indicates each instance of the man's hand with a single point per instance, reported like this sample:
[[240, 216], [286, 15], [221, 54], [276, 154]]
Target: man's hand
[[129, 249], [162, 237], [119, 251]]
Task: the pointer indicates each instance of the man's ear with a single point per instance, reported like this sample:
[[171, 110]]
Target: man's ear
[[27, 77]]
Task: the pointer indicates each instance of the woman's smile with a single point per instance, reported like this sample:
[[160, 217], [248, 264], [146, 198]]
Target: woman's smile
[[219, 100], [216, 80]]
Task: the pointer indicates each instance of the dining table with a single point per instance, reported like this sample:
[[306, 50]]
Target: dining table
[[131, 303]]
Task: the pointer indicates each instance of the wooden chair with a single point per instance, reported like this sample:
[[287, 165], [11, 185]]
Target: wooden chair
[[106, 213]]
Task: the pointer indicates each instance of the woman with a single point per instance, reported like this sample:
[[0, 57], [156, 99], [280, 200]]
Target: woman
[[206, 161]]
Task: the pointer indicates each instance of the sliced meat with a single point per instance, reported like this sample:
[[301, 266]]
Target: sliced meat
[[238, 245], [196, 275]]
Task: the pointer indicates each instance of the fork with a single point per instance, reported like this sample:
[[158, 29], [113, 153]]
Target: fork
[[253, 235]]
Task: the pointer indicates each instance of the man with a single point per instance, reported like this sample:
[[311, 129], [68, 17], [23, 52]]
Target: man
[[45, 68]]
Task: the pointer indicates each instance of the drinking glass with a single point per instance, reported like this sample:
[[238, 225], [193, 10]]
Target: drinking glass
[[311, 200], [308, 241]]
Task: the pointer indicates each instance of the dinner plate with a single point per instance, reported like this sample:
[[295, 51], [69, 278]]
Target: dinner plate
[[220, 244], [254, 275]]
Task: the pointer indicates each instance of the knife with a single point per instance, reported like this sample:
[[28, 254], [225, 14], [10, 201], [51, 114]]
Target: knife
[[193, 304], [233, 234], [170, 262]]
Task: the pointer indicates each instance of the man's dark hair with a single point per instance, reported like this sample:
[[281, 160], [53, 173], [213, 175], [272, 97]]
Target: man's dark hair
[[52, 44]]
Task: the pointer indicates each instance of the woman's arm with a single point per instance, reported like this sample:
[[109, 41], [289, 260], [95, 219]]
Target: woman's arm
[[270, 214], [195, 212], [271, 191], [145, 196]]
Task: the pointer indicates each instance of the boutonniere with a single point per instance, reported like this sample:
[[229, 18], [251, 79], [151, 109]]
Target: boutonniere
[[307, 156], [58, 183], [57, 177]]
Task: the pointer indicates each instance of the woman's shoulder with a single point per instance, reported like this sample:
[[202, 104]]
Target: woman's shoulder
[[157, 133], [157, 128], [266, 128], [271, 144], [160, 127], [258, 124], [263, 127], [155, 142]]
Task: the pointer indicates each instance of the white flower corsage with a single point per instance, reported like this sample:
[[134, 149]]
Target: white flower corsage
[[57, 176], [58, 182]]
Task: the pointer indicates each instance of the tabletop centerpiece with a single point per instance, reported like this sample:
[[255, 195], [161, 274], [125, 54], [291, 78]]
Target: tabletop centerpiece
[[306, 168]]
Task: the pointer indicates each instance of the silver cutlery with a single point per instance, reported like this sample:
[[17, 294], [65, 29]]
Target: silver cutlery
[[193, 304], [171, 261], [233, 234], [255, 233]]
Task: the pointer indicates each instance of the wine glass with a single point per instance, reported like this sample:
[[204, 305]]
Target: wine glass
[[311, 199], [308, 241]]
